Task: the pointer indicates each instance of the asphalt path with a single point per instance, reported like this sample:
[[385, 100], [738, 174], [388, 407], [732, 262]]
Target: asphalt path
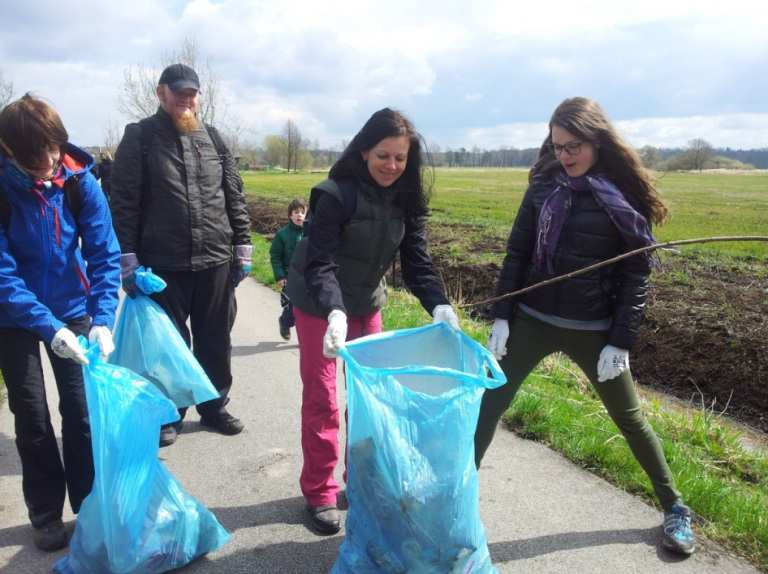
[[541, 513]]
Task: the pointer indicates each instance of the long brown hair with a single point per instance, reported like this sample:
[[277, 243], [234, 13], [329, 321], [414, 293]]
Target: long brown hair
[[28, 127], [585, 119], [415, 184]]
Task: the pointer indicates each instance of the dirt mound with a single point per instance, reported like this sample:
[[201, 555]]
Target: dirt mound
[[703, 340]]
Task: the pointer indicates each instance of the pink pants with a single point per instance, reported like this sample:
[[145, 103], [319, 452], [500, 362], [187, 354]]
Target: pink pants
[[319, 412]]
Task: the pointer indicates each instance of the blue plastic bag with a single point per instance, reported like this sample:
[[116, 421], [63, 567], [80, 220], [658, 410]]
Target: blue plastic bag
[[414, 398], [137, 518], [148, 343]]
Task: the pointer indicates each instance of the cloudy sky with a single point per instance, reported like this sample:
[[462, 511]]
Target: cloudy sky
[[482, 73]]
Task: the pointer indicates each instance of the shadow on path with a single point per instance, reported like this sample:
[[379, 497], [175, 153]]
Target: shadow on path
[[294, 557], [283, 511], [263, 347], [29, 558], [532, 547]]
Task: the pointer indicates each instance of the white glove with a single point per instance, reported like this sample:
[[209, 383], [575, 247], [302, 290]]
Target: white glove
[[445, 314], [612, 362], [497, 341], [66, 346], [103, 336], [335, 334]]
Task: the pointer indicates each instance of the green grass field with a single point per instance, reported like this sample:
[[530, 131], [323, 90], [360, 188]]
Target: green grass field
[[701, 204]]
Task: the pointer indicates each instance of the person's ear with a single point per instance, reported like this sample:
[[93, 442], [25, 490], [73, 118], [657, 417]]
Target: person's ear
[[365, 155]]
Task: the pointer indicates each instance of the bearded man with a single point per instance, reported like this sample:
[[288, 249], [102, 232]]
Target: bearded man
[[178, 207]]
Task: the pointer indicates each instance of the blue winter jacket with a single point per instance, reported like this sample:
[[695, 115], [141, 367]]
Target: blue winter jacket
[[44, 279]]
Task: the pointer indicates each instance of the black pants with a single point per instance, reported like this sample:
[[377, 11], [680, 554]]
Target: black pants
[[45, 480], [286, 318], [206, 298]]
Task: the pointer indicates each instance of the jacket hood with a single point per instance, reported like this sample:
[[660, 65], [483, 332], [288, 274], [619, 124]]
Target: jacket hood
[[75, 160]]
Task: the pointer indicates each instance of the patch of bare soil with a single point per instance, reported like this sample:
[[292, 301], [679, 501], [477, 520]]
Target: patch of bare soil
[[703, 340]]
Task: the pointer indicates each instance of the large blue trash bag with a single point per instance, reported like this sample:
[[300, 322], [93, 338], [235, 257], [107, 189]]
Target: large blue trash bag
[[148, 343], [137, 518], [414, 398]]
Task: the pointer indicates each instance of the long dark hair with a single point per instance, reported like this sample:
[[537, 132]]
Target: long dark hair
[[413, 192], [28, 127], [585, 119]]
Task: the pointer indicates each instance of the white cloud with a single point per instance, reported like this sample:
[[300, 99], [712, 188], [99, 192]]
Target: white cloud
[[469, 74], [742, 131]]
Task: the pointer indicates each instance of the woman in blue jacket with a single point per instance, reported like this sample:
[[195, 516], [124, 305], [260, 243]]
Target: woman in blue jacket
[[50, 204]]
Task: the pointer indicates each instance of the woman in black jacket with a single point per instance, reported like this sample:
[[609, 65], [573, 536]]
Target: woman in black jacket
[[372, 207], [589, 199]]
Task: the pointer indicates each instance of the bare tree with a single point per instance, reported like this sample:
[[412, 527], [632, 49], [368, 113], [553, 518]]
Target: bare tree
[[293, 144], [650, 156], [138, 99], [700, 152], [6, 91], [111, 136]]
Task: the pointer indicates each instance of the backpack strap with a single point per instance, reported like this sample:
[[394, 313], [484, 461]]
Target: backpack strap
[[146, 136], [73, 196], [345, 192], [218, 143], [5, 210]]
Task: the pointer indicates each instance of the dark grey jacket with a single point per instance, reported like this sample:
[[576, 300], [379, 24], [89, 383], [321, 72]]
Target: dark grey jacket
[[588, 236], [191, 212], [355, 230]]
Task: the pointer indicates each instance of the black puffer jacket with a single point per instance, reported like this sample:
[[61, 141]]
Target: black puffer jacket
[[588, 236], [191, 212]]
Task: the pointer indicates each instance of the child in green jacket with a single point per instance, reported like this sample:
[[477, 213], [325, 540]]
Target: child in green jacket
[[280, 254]]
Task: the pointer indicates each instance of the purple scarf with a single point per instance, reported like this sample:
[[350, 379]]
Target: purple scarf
[[632, 226]]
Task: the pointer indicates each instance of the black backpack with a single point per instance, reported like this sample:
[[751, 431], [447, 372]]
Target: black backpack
[[72, 197]]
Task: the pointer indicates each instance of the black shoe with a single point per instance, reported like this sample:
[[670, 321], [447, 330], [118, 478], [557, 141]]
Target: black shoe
[[51, 536], [168, 435], [285, 332], [223, 422], [325, 519]]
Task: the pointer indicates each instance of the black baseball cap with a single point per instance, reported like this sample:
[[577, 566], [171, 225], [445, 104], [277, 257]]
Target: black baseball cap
[[180, 77]]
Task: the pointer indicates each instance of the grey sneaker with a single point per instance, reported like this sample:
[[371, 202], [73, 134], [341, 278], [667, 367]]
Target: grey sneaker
[[325, 519], [50, 537], [169, 433], [678, 534]]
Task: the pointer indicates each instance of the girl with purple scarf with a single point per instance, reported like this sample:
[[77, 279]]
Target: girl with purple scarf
[[589, 199]]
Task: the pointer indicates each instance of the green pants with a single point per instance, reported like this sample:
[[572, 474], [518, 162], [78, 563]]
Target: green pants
[[530, 340]]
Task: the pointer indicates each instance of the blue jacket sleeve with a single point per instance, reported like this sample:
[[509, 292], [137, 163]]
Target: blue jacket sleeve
[[101, 252], [20, 303]]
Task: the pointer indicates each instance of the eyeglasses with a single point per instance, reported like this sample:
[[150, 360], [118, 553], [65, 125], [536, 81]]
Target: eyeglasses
[[571, 148]]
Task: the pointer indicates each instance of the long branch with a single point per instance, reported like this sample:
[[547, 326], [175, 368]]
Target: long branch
[[614, 260]]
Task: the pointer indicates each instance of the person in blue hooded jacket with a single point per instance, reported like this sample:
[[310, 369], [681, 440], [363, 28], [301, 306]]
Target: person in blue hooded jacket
[[59, 278]]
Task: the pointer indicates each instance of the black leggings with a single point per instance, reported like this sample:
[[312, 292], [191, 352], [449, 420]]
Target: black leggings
[[530, 340]]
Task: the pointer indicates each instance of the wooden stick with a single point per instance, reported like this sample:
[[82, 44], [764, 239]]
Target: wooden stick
[[614, 260]]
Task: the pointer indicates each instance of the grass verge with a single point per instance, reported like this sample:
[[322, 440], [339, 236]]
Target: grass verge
[[725, 484]]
